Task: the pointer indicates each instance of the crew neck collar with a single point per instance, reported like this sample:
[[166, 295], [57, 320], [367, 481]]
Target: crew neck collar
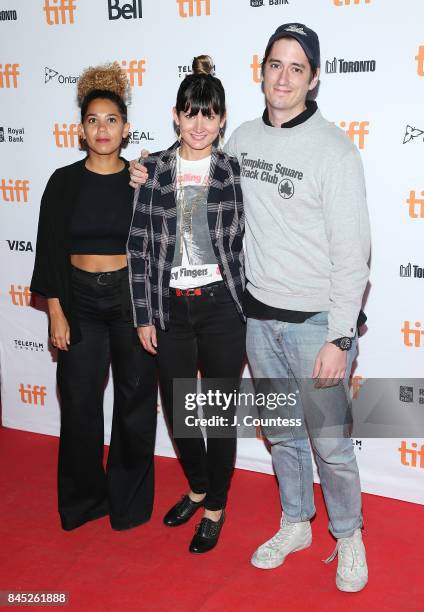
[[311, 108]]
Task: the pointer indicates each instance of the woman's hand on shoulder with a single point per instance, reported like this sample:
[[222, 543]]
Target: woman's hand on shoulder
[[147, 337], [138, 172]]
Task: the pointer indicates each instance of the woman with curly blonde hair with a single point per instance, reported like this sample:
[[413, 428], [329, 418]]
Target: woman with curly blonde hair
[[81, 268]]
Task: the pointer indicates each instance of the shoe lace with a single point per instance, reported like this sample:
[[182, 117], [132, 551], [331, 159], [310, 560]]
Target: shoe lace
[[348, 553], [283, 533]]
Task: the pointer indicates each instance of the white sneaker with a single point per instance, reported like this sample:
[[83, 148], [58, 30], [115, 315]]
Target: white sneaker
[[352, 570], [291, 537]]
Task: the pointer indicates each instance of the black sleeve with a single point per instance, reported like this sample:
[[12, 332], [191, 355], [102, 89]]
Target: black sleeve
[[43, 276]]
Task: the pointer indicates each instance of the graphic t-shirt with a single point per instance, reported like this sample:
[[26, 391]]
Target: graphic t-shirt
[[194, 261]]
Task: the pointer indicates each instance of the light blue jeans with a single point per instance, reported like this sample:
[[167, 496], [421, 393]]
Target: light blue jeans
[[280, 350]]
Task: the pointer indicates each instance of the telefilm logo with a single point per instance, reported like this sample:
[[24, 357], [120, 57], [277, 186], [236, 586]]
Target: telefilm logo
[[411, 271], [194, 8], [412, 133], [139, 136], [51, 74], [33, 394], [20, 295], [255, 3], [9, 74], [410, 456], [20, 246], [66, 135], [343, 66], [10, 15], [14, 190], [413, 334], [9, 134], [415, 205], [350, 2], [59, 12], [357, 131], [21, 344], [420, 60], [185, 69], [117, 9]]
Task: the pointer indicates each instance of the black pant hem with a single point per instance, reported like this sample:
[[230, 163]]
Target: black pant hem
[[68, 525]]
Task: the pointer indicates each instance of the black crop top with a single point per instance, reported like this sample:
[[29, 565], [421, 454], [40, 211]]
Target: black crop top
[[102, 216]]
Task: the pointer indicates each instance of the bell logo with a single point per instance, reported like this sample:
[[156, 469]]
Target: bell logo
[[59, 11], [409, 456], [9, 76], [189, 5], [134, 70], [256, 69], [348, 2], [66, 136], [356, 130], [412, 337], [415, 205], [14, 190], [420, 60], [20, 297], [32, 394], [130, 10]]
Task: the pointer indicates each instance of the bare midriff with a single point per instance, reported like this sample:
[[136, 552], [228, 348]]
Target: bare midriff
[[99, 263]]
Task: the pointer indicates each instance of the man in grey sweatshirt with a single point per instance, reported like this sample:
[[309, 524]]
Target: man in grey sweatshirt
[[307, 246]]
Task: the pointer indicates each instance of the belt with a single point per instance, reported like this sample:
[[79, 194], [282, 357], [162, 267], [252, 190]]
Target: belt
[[196, 291], [103, 279]]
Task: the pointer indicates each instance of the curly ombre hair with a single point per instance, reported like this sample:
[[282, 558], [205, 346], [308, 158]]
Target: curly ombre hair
[[109, 82]]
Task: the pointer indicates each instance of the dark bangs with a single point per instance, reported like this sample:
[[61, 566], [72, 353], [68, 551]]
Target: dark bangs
[[203, 93]]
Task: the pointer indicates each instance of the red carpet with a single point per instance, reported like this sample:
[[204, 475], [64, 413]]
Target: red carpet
[[149, 568]]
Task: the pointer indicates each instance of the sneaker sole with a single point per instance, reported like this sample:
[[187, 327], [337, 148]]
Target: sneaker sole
[[272, 565], [349, 587]]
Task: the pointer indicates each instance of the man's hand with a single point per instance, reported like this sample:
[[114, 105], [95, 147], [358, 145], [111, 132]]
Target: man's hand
[[147, 336], [138, 172], [330, 366]]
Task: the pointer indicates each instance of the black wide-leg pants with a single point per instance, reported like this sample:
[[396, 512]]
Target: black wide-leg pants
[[205, 332], [125, 489]]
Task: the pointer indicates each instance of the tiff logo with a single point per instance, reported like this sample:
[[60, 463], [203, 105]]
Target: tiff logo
[[9, 76], [66, 136], [59, 11], [356, 385], [348, 2], [191, 5], [130, 10], [412, 337], [32, 394], [356, 130], [412, 453], [14, 190], [415, 205], [420, 60], [20, 297], [134, 70], [256, 69]]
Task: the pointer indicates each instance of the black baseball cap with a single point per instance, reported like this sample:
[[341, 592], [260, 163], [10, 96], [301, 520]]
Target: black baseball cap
[[307, 38]]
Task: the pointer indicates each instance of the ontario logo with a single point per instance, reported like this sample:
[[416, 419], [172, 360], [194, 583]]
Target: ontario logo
[[412, 133], [51, 73]]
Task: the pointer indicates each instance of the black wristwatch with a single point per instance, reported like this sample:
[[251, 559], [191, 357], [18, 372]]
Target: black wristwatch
[[344, 344]]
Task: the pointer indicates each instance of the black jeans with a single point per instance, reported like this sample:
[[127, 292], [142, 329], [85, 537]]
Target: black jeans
[[205, 332], [125, 490]]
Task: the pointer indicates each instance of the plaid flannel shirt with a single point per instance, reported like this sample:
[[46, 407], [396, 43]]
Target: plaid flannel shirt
[[151, 242]]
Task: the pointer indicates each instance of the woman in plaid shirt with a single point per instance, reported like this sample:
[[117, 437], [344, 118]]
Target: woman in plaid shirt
[[185, 257]]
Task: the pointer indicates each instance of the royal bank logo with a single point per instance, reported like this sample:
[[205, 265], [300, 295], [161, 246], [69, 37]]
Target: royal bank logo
[[118, 9], [22, 344], [411, 271], [343, 66], [9, 134], [412, 133], [8, 15], [255, 3], [51, 74], [139, 137]]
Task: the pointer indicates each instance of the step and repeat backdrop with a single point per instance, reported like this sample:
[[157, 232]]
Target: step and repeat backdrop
[[372, 86]]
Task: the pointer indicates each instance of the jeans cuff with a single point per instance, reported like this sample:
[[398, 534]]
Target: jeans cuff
[[345, 534]]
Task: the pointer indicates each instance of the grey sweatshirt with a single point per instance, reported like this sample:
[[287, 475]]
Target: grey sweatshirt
[[307, 229]]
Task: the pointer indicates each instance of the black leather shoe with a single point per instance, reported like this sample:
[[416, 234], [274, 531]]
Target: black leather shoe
[[181, 512], [207, 535]]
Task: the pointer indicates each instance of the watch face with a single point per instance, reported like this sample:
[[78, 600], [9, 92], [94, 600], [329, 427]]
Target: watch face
[[345, 343]]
